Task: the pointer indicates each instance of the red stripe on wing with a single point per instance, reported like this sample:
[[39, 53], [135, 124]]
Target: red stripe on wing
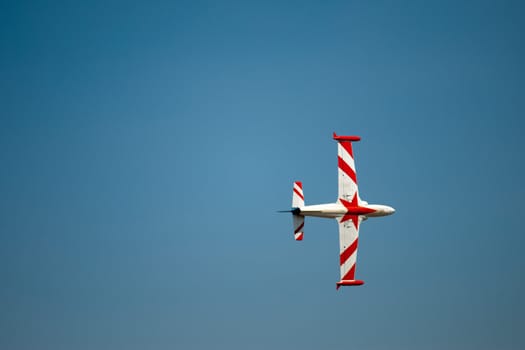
[[346, 169], [348, 148], [347, 253], [350, 275]]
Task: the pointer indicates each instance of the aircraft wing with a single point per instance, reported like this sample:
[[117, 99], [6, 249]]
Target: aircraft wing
[[347, 173], [348, 241]]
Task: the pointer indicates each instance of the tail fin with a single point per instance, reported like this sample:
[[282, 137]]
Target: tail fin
[[298, 196], [298, 202], [298, 225]]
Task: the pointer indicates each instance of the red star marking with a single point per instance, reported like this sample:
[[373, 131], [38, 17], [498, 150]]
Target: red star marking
[[354, 219], [349, 206]]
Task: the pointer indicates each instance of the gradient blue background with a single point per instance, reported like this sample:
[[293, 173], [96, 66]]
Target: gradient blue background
[[145, 147]]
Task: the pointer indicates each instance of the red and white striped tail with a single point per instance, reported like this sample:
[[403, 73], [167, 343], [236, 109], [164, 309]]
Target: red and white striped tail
[[298, 202], [298, 227], [298, 196]]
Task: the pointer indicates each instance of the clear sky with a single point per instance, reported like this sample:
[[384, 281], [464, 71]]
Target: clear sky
[[145, 147]]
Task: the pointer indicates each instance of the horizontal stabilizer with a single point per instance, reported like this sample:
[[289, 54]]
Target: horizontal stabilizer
[[297, 195], [298, 227]]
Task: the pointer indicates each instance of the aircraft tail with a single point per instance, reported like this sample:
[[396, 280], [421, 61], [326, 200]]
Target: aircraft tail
[[298, 202], [297, 196], [298, 225]]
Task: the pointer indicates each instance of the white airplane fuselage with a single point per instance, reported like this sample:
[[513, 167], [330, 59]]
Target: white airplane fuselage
[[333, 210]]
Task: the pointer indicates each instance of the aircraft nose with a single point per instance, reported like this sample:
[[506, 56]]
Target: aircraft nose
[[390, 210]]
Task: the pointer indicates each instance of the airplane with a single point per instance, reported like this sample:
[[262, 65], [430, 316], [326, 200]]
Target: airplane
[[349, 210]]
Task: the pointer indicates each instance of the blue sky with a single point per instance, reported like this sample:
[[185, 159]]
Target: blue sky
[[146, 146]]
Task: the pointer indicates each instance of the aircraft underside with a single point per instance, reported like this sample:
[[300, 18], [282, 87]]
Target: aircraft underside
[[349, 210]]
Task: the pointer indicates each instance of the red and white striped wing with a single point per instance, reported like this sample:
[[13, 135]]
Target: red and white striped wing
[[347, 173], [348, 240]]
